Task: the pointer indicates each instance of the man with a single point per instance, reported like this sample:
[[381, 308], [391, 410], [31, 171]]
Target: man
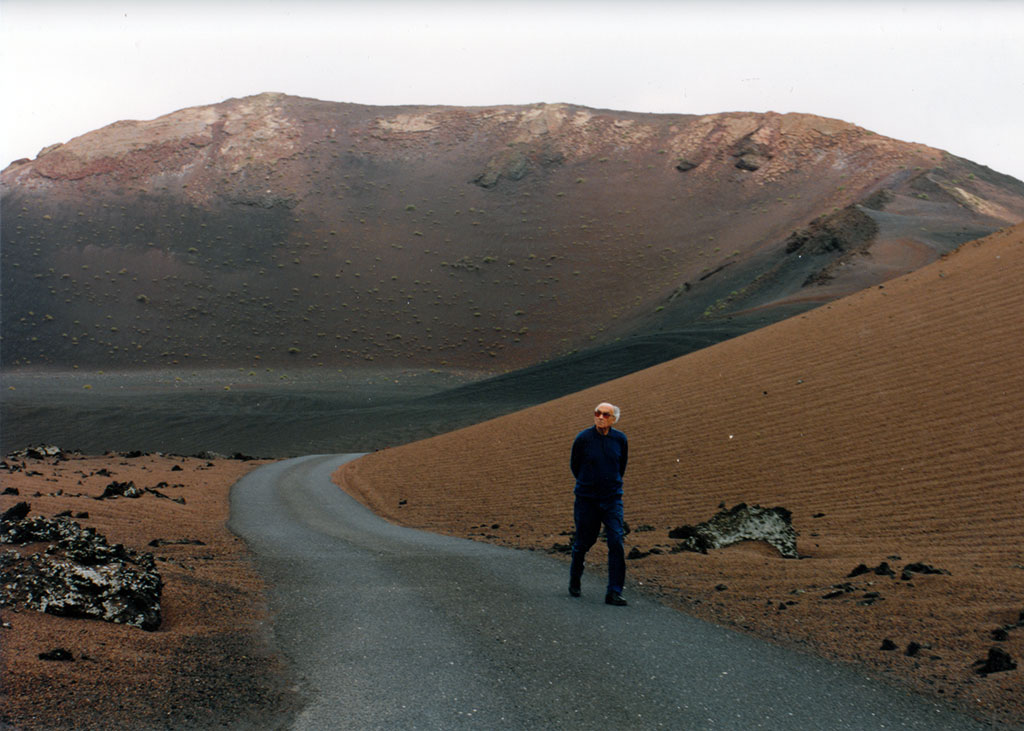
[[598, 462]]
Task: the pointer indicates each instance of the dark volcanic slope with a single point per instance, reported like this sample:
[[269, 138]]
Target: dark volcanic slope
[[276, 229]]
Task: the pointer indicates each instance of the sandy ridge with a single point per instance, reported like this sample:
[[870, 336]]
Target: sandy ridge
[[888, 422]]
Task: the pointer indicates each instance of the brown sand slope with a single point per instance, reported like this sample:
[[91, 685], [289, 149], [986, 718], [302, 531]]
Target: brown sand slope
[[888, 422], [208, 665]]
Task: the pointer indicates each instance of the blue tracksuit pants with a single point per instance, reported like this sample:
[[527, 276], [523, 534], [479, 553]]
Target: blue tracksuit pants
[[590, 514]]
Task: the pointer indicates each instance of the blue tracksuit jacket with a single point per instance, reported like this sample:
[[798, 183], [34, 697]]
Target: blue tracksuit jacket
[[598, 463]]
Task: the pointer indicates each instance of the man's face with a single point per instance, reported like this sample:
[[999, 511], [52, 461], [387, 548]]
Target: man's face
[[604, 417]]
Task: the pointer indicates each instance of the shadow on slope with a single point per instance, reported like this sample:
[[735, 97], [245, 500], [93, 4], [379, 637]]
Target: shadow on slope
[[309, 412]]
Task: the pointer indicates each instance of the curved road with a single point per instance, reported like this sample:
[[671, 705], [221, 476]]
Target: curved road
[[396, 628]]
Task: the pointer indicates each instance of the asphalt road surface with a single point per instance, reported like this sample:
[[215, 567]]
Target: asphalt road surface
[[393, 628]]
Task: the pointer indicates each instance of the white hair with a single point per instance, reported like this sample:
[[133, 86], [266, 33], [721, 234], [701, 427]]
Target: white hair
[[616, 411]]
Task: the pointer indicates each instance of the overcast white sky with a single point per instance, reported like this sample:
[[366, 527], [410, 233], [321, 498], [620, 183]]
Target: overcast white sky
[[948, 73]]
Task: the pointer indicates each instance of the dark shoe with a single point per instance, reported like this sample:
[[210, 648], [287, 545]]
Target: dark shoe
[[574, 588], [615, 599]]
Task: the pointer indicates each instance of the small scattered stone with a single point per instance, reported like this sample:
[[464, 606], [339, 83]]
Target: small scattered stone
[[998, 661], [912, 649], [888, 645], [158, 542], [57, 654], [870, 598], [157, 493], [882, 569], [919, 568], [120, 489], [17, 512], [840, 590]]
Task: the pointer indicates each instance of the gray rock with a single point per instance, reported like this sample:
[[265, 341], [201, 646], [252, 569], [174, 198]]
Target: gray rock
[[41, 451], [741, 523]]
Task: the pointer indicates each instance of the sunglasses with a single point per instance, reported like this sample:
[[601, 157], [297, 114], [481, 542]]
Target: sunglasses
[[605, 414]]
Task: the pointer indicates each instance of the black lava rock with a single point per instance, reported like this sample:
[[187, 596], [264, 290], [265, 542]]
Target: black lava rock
[[120, 489], [57, 654], [16, 512], [998, 661], [78, 574], [919, 568]]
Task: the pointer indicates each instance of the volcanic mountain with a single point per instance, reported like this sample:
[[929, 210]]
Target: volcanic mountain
[[276, 230]]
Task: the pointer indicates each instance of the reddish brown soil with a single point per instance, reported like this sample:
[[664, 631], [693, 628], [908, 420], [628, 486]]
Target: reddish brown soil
[[208, 665], [888, 422]]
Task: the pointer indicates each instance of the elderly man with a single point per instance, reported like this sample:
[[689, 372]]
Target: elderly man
[[598, 462]]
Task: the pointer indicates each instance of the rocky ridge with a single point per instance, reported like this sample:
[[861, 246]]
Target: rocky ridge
[[275, 229]]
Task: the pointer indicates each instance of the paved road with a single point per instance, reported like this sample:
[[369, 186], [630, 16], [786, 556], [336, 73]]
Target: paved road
[[393, 628]]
